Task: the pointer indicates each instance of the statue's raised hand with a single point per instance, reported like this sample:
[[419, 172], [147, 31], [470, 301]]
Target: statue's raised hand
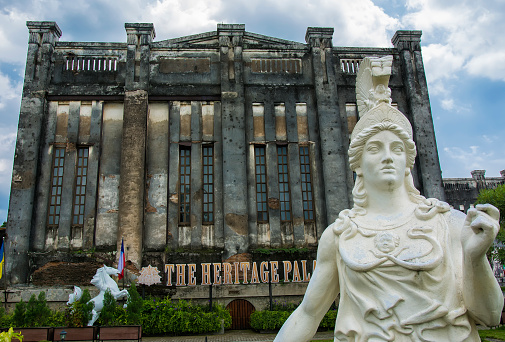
[[479, 230]]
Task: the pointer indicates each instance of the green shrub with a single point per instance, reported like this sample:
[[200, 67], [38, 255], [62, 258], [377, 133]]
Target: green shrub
[[284, 306], [273, 320], [108, 314], [79, 313], [181, 317], [223, 314], [5, 319], [56, 319], [133, 306], [329, 319], [10, 335], [18, 317], [268, 320], [37, 312]]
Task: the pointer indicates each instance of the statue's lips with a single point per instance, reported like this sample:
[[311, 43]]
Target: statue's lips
[[388, 169]]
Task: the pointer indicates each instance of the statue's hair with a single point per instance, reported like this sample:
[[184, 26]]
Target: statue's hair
[[356, 147]]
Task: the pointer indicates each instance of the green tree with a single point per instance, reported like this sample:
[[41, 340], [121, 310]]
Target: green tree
[[108, 313], [37, 312], [18, 318], [133, 306], [79, 313], [496, 197]]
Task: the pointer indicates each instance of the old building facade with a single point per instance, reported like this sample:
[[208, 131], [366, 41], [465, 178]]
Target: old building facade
[[461, 193], [205, 148]]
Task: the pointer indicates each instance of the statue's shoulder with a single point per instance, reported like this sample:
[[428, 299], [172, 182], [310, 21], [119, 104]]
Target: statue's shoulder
[[455, 218], [343, 222], [433, 206]]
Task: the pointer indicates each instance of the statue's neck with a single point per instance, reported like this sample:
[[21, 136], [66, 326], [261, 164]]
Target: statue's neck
[[390, 203]]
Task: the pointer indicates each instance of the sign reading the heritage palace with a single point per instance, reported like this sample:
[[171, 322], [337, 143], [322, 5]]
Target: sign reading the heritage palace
[[238, 273]]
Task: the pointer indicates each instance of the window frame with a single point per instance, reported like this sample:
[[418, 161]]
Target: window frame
[[262, 216], [53, 216]]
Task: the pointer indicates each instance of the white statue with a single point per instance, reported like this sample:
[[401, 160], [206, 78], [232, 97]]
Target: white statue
[[103, 282], [407, 268]]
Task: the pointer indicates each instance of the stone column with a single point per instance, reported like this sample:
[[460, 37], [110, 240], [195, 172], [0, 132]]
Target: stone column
[[331, 130], [479, 176], [233, 131], [408, 44], [34, 107], [133, 143]]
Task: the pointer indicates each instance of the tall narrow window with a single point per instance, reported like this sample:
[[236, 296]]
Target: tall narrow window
[[208, 184], [56, 186], [285, 198], [185, 185], [80, 186], [308, 204], [261, 183]]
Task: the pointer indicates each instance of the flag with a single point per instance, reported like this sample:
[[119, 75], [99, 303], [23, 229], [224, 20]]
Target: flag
[[120, 263], [2, 259]]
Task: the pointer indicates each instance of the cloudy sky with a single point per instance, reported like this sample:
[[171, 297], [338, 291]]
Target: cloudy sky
[[463, 48]]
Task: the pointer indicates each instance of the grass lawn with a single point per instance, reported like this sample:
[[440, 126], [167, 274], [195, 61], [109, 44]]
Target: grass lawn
[[498, 334]]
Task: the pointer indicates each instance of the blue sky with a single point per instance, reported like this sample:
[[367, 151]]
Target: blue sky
[[463, 49]]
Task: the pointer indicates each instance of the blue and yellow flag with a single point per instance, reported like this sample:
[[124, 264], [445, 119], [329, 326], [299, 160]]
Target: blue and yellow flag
[[2, 259]]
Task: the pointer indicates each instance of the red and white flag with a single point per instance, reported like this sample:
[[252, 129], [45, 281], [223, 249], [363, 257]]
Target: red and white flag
[[121, 262]]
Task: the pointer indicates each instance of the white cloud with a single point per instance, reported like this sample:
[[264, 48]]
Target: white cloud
[[470, 33], [13, 36], [174, 18], [7, 144], [460, 161], [9, 91]]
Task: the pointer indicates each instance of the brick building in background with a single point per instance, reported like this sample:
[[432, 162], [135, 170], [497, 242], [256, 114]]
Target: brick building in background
[[220, 146]]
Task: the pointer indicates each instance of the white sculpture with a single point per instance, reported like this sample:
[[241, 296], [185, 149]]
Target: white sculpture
[[103, 282], [407, 268]]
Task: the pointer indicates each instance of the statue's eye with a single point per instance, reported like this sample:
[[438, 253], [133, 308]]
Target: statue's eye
[[398, 149], [373, 148]]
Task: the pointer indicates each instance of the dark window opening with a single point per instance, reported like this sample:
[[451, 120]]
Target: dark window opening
[[306, 182], [284, 193], [208, 184], [184, 184], [261, 183]]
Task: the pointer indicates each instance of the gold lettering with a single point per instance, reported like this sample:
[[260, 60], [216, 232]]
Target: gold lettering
[[254, 276], [217, 273], [206, 274], [169, 269], [244, 267], [227, 273], [191, 274], [181, 275], [287, 269]]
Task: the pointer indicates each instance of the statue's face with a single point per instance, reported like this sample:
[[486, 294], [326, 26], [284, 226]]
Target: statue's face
[[384, 161]]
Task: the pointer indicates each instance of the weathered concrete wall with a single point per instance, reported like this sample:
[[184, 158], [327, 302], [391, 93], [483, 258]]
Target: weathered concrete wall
[[233, 130], [155, 229], [132, 169], [462, 193], [409, 47], [43, 36], [108, 181]]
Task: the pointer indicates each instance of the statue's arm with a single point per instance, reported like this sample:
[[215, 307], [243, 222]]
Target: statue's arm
[[322, 290], [481, 292]]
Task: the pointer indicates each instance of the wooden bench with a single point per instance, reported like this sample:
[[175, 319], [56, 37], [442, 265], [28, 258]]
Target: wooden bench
[[122, 333], [36, 334], [76, 334]]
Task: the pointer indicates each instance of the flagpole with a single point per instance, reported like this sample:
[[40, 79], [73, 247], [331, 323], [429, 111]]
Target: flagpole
[[124, 267], [5, 280]]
